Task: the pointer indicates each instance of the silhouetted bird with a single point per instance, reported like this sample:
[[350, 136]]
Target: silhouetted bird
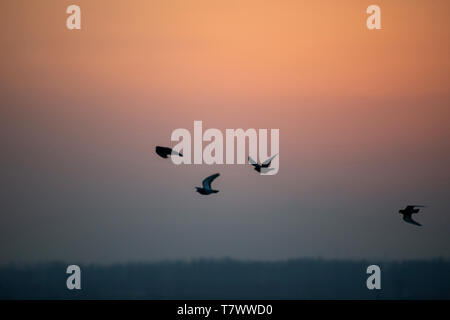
[[408, 212], [207, 185], [264, 166], [165, 152]]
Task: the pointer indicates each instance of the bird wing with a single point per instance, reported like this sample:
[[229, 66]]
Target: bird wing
[[252, 162], [408, 219], [266, 163], [412, 207], [163, 151], [207, 182]]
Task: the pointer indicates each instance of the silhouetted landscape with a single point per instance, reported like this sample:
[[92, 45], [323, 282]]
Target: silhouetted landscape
[[230, 279]]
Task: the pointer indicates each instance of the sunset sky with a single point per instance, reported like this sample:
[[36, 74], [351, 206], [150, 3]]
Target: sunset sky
[[364, 119]]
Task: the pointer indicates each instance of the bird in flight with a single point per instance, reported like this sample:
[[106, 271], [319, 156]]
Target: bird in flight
[[206, 189], [264, 167], [408, 212], [165, 152]]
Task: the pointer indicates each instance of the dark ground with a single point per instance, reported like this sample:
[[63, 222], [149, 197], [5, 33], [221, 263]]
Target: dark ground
[[230, 279]]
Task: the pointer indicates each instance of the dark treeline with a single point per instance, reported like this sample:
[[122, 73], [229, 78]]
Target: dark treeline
[[230, 279]]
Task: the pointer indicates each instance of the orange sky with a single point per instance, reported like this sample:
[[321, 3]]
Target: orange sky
[[239, 48], [294, 65]]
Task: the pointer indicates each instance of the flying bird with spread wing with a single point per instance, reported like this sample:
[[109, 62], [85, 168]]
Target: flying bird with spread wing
[[207, 189], [408, 212], [264, 167], [165, 152]]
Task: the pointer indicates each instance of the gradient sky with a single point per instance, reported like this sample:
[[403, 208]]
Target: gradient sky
[[364, 119]]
